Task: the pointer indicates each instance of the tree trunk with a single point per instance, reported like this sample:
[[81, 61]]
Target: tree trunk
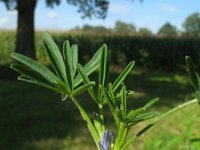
[[25, 28]]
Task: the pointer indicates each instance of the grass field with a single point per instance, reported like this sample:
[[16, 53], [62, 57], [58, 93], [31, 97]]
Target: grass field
[[7, 45], [36, 119]]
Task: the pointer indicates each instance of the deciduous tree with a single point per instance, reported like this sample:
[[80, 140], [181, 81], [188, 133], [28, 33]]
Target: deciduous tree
[[124, 28], [144, 32], [25, 23], [167, 30], [192, 25]]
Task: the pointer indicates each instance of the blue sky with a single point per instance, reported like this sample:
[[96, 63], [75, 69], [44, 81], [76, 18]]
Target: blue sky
[[151, 14]]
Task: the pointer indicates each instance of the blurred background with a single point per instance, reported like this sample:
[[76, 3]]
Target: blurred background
[[156, 34]]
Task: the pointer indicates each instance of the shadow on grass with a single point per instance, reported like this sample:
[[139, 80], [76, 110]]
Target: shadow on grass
[[29, 113]]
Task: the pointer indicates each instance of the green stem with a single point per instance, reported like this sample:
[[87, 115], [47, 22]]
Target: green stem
[[90, 125], [122, 133], [130, 141], [116, 118], [101, 120], [158, 120]]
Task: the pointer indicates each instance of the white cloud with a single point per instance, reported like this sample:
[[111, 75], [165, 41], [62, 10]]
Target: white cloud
[[119, 9], [169, 8], [8, 19], [7, 23], [11, 13], [52, 15], [4, 21]]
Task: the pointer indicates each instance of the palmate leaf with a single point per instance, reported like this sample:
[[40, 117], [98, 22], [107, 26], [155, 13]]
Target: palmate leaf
[[151, 103], [113, 107], [123, 75], [93, 64], [86, 80], [110, 102], [128, 93], [36, 67], [192, 73], [83, 88], [31, 76], [28, 80], [90, 67], [55, 56], [133, 114], [67, 54], [111, 93], [194, 76], [64, 88], [29, 73], [74, 50], [143, 117], [123, 101], [103, 71]]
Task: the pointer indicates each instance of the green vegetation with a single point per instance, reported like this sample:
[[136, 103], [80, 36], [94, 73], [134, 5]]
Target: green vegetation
[[174, 139], [70, 79], [192, 25], [25, 23], [167, 30], [149, 52], [7, 45], [124, 28], [36, 119]]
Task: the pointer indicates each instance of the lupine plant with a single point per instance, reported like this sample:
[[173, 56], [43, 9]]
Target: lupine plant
[[70, 79]]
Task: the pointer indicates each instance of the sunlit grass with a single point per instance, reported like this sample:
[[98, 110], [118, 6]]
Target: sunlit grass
[[175, 133], [7, 45]]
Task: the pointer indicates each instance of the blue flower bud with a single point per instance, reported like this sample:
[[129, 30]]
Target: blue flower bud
[[107, 140]]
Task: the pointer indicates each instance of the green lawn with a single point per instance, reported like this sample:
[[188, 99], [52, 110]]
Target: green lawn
[[32, 118]]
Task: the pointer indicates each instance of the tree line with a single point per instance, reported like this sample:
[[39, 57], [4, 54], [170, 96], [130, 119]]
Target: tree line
[[191, 27]]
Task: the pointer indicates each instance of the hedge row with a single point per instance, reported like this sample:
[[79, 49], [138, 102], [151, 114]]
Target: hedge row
[[150, 52]]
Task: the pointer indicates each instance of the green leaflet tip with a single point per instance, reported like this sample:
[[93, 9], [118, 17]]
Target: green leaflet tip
[[133, 62], [11, 66], [131, 92], [93, 82], [45, 35], [11, 55], [187, 57], [66, 42], [104, 45], [64, 97]]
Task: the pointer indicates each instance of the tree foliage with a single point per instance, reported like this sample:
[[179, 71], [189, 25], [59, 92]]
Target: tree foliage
[[144, 32], [98, 29], [88, 8], [25, 21], [192, 25], [125, 28], [167, 30]]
